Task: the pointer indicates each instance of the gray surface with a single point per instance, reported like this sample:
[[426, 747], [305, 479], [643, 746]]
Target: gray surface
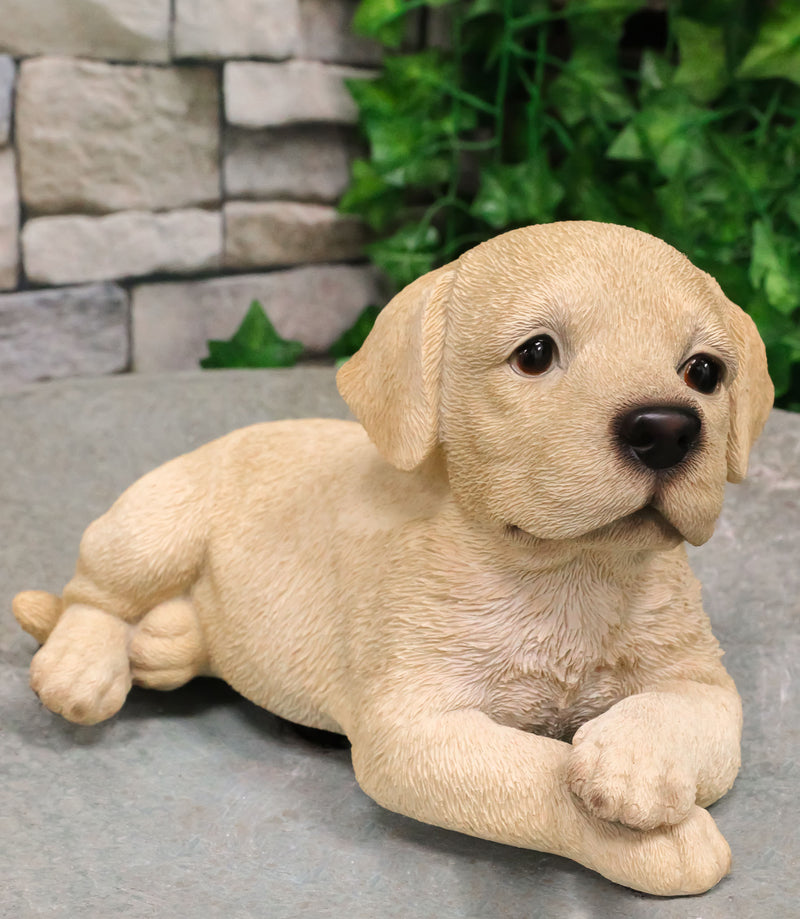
[[197, 804]]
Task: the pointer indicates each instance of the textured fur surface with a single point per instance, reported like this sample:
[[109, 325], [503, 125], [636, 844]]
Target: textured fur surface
[[467, 585]]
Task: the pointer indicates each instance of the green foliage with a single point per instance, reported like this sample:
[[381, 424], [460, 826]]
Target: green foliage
[[257, 344], [350, 341], [685, 124], [254, 344]]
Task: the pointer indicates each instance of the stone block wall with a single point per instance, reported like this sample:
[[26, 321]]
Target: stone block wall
[[162, 164]]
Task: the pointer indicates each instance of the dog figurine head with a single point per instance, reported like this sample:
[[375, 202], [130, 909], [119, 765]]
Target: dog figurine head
[[584, 381]]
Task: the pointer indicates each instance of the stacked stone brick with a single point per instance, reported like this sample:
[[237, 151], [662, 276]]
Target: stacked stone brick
[[162, 164]]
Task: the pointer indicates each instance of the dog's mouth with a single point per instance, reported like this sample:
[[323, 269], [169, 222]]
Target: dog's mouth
[[640, 525], [647, 514]]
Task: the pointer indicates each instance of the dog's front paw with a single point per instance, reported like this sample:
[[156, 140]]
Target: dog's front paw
[[623, 770], [668, 861]]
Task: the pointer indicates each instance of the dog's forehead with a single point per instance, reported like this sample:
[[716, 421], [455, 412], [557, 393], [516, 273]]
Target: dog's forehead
[[601, 277]]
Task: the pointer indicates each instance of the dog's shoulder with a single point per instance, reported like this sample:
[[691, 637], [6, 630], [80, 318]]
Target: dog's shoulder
[[320, 468], [293, 445]]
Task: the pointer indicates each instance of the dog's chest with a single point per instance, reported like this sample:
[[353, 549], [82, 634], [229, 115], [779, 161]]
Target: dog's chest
[[544, 704], [561, 654]]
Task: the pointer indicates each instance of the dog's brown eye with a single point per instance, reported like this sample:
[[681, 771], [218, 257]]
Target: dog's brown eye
[[702, 372], [534, 356]]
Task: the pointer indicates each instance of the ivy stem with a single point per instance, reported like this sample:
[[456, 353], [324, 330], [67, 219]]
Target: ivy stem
[[455, 159], [502, 78], [765, 120], [535, 103]]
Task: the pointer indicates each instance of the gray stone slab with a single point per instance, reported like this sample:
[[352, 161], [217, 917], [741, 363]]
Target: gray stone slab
[[121, 30], [77, 248], [195, 803], [328, 35], [259, 95], [236, 28], [63, 332], [7, 74], [9, 220], [266, 234], [300, 162], [137, 138]]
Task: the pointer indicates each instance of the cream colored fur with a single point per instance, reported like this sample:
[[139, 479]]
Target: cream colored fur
[[463, 599]]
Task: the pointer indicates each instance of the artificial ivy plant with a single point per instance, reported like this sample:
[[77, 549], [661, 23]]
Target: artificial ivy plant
[[679, 118]]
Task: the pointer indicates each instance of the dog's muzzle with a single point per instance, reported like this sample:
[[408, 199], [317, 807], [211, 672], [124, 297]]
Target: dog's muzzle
[[658, 436]]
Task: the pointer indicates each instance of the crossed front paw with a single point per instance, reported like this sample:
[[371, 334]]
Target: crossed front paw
[[627, 775], [669, 861]]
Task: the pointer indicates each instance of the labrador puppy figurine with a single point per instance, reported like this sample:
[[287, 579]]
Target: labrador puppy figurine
[[485, 586]]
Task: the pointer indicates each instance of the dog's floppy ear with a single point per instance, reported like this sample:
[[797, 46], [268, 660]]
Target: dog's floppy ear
[[751, 393], [392, 383]]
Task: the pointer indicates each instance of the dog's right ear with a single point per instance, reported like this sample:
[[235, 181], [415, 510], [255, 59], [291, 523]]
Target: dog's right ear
[[751, 393], [392, 383]]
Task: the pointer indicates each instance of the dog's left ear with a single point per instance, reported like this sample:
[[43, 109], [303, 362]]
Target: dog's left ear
[[392, 383], [751, 393]]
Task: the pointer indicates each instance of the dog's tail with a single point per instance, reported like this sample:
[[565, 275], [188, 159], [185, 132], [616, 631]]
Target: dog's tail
[[37, 612]]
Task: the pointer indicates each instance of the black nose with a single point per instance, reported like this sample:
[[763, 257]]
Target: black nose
[[659, 436]]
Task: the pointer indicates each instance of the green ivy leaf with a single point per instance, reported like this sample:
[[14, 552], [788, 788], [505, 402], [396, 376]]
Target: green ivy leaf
[[373, 97], [776, 52], [353, 338], [371, 196], [733, 278], [406, 150], [672, 128], [598, 19], [779, 361], [381, 19], [791, 204], [479, 8], [745, 168], [625, 7], [407, 254], [702, 68], [590, 86], [515, 195], [771, 268], [590, 198], [254, 344], [655, 73], [411, 120], [627, 145]]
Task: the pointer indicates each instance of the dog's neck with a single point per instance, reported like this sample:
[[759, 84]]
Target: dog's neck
[[529, 552], [495, 546], [557, 599]]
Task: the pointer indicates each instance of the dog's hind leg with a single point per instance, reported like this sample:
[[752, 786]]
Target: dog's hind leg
[[89, 661], [82, 670], [113, 624], [167, 647], [84, 673]]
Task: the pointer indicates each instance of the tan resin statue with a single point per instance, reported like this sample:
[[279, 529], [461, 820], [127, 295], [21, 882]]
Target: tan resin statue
[[485, 586]]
